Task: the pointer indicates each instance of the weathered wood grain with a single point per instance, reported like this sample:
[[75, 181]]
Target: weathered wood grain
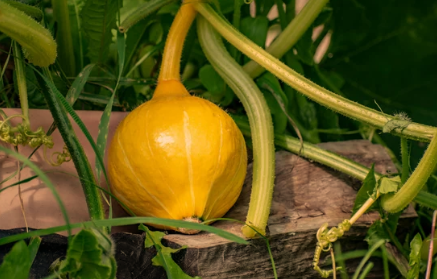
[[306, 196]]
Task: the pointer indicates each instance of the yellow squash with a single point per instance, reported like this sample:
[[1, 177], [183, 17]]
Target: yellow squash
[[177, 157]]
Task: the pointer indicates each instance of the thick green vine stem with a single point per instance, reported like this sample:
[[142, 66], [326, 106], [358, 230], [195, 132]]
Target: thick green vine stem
[[27, 9], [260, 122], [37, 42], [332, 160], [290, 35], [396, 202], [83, 167], [141, 12], [308, 88]]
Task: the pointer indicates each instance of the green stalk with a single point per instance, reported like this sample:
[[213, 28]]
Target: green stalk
[[426, 167], [405, 160], [332, 160], [27, 9], [308, 88], [260, 121], [83, 168], [141, 12], [37, 42], [21, 81], [64, 38], [290, 35]]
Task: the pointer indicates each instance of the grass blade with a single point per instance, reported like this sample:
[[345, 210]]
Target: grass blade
[[46, 181], [127, 221], [78, 84], [366, 258], [92, 196]]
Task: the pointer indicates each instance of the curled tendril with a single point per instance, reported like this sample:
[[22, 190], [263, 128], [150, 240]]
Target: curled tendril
[[61, 157], [325, 238], [23, 135]]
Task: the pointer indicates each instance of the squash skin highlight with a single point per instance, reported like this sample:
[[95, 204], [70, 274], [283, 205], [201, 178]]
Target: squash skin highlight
[[178, 157]]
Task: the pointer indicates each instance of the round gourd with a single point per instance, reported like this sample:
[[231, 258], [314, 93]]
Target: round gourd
[[178, 157]]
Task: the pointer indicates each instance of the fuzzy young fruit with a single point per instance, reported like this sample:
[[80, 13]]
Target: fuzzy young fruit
[[178, 157]]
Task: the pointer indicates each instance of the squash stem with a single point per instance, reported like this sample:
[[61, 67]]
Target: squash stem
[[37, 42], [397, 202], [170, 69], [308, 88], [260, 123]]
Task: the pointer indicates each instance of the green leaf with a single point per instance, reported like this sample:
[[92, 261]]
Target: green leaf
[[305, 48], [374, 47], [163, 257], [213, 82], [255, 29], [227, 6], [366, 191], [324, 16], [90, 255], [276, 100], [389, 185], [33, 247], [156, 33], [16, 264], [98, 19], [263, 7], [415, 246], [133, 39], [376, 233], [78, 84]]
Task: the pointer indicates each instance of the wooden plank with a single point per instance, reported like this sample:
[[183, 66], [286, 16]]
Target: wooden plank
[[306, 196]]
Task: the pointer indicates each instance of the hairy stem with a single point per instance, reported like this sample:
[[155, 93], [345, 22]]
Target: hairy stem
[[64, 38], [426, 167], [21, 81], [27, 9], [308, 88], [260, 123], [83, 167], [37, 42], [332, 160], [290, 35]]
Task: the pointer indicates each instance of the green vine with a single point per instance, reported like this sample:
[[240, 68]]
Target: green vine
[[37, 42], [308, 88], [396, 202], [260, 122]]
